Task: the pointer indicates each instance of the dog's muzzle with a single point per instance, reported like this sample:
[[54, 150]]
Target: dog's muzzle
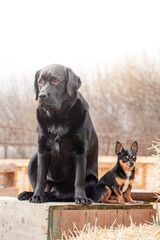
[[43, 95]]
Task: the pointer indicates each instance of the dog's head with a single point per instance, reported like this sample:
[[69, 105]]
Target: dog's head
[[127, 158], [54, 85]]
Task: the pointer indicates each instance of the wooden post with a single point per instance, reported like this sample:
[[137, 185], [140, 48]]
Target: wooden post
[[5, 151], [144, 176]]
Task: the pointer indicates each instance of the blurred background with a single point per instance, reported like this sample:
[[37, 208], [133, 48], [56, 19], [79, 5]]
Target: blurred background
[[114, 46]]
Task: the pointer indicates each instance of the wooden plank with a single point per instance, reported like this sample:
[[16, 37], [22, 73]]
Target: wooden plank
[[58, 219], [65, 220], [21, 187], [113, 159], [101, 206], [10, 192], [2, 180], [101, 159], [9, 179], [115, 217], [144, 176], [21, 177], [144, 196], [7, 167], [18, 162]]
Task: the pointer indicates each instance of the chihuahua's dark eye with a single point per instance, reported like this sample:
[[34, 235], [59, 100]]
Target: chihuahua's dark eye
[[41, 82], [55, 80]]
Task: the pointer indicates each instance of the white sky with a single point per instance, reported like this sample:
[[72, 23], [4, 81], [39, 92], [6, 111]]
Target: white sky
[[76, 33]]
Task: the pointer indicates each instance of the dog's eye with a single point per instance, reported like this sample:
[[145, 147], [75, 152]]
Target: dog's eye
[[41, 82], [55, 80]]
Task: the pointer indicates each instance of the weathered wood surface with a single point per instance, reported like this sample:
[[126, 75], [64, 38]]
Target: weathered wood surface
[[14, 172], [24, 220], [145, 196], [105, 218], [7, 179], [9, 191], [7, 167]]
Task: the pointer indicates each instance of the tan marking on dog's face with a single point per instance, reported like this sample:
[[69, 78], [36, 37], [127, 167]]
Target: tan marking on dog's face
[[126, 166]]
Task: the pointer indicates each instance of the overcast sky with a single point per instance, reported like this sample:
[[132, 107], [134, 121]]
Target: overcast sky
[[76, 33]]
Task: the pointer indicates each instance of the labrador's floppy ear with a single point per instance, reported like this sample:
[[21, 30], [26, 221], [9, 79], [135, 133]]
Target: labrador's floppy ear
[[73, 82], [36, 88]]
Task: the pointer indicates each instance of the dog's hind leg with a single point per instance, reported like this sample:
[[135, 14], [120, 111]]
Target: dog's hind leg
[[91, 182], [32, 170], [106, 196], [32, 173]]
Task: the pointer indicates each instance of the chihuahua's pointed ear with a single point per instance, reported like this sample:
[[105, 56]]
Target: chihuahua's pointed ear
[[119, 148], [36, 88], [73, 82], [134, 146]]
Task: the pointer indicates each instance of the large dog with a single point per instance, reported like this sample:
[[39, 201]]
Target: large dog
[[65, 166]]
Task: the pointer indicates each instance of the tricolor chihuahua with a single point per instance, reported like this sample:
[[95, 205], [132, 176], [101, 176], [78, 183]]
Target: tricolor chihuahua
[[119, 179]]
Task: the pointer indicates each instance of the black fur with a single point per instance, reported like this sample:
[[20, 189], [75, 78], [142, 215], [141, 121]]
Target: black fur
[[65, 166]]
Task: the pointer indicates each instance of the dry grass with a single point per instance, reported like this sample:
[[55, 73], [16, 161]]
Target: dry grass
[[133, 232], [156, 167]]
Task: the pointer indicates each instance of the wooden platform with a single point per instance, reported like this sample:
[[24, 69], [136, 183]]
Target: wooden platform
[[24, 220]]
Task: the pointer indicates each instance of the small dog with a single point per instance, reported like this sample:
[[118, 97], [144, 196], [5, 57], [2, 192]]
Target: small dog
[[119, 179]]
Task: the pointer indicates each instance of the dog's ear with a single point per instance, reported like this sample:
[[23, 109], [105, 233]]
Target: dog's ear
[[119, 148], [134, 147], [73, 82], [36, 88]]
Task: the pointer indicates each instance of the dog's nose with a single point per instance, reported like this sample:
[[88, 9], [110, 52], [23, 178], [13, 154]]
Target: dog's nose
[[43, 95], [131, 164]]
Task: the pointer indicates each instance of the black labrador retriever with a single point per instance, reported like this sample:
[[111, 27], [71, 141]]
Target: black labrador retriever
[[65, 166]]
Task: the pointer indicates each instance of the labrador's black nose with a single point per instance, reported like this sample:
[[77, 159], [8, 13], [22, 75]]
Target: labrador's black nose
[[43, 95]]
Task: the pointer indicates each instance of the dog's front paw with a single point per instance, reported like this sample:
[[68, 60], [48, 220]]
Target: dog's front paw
[[132, 201], [37, 199], [82, 200], [25, 195]]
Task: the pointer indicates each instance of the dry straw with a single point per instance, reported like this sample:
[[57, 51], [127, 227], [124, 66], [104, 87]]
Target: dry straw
[[156, 167], [133, 232]]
